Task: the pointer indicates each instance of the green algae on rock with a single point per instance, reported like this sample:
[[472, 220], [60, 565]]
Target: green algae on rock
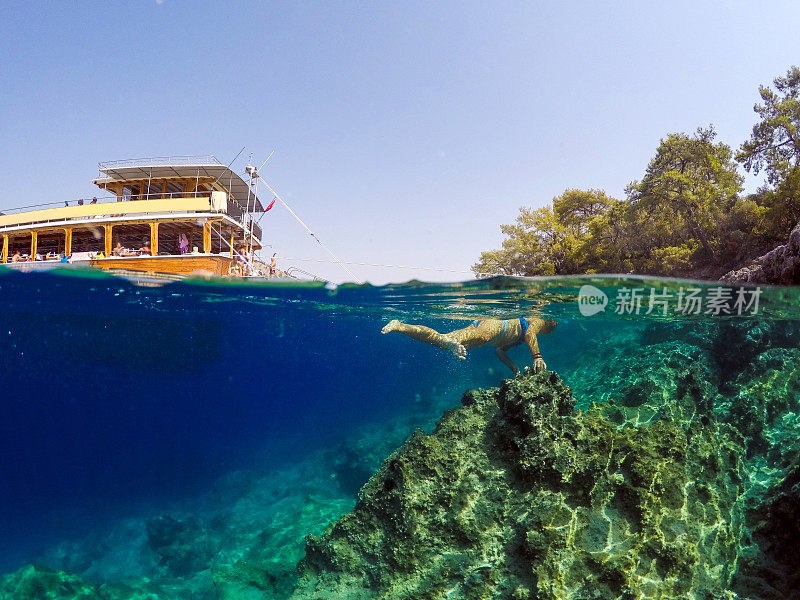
[[517, 494], [37, 583]]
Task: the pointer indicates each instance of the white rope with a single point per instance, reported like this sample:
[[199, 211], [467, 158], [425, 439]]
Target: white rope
[[299, 220]]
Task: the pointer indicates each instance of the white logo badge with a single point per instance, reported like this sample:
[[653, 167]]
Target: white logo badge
[[591, 300]]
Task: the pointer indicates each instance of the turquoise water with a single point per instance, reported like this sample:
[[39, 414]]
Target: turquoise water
[[182, 441]]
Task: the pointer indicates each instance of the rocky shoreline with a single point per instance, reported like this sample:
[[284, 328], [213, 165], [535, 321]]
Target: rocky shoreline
[[780, 266]]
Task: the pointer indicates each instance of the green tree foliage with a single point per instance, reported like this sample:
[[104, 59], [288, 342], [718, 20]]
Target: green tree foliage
[[669, 223], [689, 186], [550, 240], [685, 216], [775, 144], [774, 147]]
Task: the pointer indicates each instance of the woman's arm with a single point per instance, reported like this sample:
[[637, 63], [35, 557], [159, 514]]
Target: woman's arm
[[536, 326]]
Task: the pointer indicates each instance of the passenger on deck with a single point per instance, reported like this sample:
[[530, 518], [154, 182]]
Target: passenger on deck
[[145, 249], [118, 249], [502, 334], [16, 257], [183, 243], [273, 266]]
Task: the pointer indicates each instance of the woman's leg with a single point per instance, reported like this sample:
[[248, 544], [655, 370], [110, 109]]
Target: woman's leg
[[427, 335], [457, 342]]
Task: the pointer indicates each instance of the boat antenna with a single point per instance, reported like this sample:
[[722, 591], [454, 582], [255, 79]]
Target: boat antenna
[[254, 173], [308, 229], [250, 214], [266, 161]]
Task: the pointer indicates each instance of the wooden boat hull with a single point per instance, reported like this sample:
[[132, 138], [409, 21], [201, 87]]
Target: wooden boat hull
[[176, 265]]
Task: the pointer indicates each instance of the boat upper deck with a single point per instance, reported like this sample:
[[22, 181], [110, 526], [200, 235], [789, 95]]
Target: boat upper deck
[[150, 187], [173, 169]]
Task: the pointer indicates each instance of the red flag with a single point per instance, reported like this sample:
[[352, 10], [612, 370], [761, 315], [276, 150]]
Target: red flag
[[271, 204]]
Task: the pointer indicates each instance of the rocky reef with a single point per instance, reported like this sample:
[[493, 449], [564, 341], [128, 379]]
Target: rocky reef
[[680, 479], [517, 494]]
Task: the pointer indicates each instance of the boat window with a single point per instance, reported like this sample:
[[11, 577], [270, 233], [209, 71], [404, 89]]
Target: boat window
[[50, 245], [169, 237], [154, 190], [90, 239], [131, 237], [19, 244], [175, 189], [130, 192]]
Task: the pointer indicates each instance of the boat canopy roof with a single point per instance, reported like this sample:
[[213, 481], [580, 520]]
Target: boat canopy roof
[[178, 167]]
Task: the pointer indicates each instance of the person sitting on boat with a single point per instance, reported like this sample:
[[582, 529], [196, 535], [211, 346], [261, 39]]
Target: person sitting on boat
[[145, 249], [502, 334], [118, 249], [17, 257], [183, 243]]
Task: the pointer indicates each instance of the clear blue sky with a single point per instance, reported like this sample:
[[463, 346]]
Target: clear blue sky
[[404, 132]]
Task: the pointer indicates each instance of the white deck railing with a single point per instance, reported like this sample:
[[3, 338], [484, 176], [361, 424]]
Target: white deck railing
[[161, 161]]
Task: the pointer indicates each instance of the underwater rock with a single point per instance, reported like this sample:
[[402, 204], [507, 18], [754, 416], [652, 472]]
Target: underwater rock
[[763, 405], [252, 580], [38, 583], [182, 545], [517, 494], [771, 570]]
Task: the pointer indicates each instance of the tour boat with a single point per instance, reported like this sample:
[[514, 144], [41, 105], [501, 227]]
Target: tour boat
[[167, 216]]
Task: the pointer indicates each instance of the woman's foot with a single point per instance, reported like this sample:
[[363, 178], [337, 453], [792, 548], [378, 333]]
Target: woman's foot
[[392, 325]]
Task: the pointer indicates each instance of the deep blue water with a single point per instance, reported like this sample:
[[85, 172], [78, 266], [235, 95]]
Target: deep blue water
[[116, 396]]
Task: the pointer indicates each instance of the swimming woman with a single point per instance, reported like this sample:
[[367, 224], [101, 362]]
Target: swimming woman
[[502, 334]]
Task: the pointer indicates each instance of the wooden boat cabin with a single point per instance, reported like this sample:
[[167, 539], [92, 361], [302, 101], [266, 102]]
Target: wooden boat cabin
[[170, 215]]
